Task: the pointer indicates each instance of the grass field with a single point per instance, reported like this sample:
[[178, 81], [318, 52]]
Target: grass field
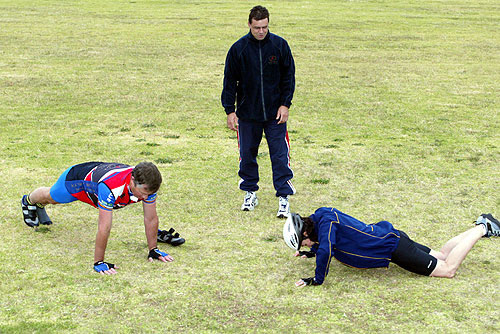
[[395, 117]]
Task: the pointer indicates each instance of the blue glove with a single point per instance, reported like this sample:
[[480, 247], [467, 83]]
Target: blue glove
[[102, 266], [155, 253]]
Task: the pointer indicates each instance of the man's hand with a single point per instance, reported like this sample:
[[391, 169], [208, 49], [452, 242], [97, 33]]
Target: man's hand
[[306, 281], [305, 254], [156, 254], [282, 115], [232, 121], [105, 268]]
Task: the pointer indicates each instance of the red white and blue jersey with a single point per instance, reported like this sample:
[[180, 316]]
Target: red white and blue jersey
[[103, 185]]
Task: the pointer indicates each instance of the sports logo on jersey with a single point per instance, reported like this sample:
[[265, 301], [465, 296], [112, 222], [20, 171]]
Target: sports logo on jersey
[[273, 60]]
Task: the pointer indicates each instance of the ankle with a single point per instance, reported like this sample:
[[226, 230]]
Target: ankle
[[29, 200], [485, 229]]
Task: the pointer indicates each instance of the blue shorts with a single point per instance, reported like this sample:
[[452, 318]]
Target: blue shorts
[[58, 191]]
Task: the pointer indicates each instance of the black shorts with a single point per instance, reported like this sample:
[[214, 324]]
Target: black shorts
[[413, 256]]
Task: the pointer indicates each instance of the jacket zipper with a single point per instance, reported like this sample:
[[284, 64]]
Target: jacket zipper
[[262, 84]]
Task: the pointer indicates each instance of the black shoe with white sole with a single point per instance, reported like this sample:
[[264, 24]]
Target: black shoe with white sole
[[29, 212], [491, 223], [170, 237]]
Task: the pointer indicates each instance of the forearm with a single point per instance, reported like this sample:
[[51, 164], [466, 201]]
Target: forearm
[[151, 229], [101, 241], [228, 96], [103, 230], [287, 84]]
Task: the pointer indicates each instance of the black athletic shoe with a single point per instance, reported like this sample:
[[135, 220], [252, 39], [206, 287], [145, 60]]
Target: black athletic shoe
[[170, 238], [29, 212], [492, 224], [43, 217]]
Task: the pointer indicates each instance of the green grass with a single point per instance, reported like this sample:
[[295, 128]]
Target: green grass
[[395, 117]]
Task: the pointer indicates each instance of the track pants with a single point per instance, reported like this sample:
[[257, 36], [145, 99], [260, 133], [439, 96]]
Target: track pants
[[249, 138]]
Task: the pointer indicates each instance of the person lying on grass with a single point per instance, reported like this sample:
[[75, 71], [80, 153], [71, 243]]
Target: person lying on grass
[[332, 233], [106, 186]]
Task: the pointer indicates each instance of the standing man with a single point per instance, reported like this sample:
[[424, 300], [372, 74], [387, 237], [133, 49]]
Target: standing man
[[260, 77]]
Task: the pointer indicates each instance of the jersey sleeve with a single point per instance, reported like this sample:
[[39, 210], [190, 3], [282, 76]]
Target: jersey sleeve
[[228, 95], [325, 250], [105, 198], [151, 199], [287, 82]]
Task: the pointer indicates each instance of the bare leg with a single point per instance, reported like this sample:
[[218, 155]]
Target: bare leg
[[42, 196], [457, 249], [448, 247]]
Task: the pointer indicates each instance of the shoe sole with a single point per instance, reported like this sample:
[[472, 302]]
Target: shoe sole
[[177, 241], [43, 218]]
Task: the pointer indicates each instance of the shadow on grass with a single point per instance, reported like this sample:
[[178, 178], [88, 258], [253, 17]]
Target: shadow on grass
[[42, 229]]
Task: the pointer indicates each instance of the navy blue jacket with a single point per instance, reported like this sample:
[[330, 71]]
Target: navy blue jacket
[[259, 76], [351, 241]]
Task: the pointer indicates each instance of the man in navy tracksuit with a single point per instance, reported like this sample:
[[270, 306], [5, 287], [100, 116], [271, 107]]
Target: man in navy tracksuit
[[260, 77], [332, 233]]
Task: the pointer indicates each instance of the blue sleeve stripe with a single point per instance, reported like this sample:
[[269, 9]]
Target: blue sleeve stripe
[[103, 207]]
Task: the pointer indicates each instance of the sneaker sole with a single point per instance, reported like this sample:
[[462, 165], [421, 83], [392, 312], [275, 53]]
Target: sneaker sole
[[43, 218], [250, 208]]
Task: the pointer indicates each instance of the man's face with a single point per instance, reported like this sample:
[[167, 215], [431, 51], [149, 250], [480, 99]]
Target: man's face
[[139, 190], [259, 28], [307, 243]]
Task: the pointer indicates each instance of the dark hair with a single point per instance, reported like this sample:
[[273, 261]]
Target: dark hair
[[309, 229], [147, 174], [258, 13]]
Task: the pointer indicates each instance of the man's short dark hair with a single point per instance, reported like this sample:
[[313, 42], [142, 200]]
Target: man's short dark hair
[[258, 13], [309, 229], [147, 174]]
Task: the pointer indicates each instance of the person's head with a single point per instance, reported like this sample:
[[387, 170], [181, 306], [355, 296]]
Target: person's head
[[298, 231], [310, 237], [258, 22], [146, 180]]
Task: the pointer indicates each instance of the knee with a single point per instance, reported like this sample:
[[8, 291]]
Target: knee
[[444, 270], [450, 273], [51, 201]]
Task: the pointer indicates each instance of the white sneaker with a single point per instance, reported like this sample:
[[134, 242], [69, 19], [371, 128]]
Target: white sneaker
[[250, 201], [284, 208]]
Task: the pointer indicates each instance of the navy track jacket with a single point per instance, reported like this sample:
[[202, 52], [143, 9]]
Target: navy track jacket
[[351, 241], [259, 76]]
